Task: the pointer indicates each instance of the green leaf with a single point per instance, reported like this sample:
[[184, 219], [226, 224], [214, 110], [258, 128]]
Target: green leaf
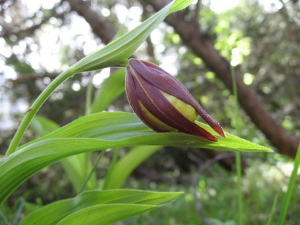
[[77, 166], [116, 52], [100, 205], [127, 164], [96, 132], [43, 126], [179, 5], [121, 126], [105, 214], [111, 88]]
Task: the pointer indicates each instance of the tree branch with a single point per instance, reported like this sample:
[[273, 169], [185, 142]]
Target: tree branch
[[203, 47], [21, 33], [32, 77], [195, 19], [98, 23]]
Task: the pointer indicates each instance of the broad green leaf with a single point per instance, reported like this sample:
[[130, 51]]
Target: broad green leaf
[[43, 126], [105, 214], [96, 132], [55, 212], [121, 126], [78, 166], [111, 88], [127, 164]]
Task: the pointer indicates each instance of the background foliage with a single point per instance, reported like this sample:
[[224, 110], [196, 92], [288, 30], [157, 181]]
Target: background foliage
[[39, 40]]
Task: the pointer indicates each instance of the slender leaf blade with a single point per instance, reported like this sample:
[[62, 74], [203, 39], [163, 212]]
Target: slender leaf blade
[[43, 126], [77, 166], [111, 88], [96, 132], [105, 214], [179, 5], [121, 126], [123, 47], [127, 164], [55, 212]]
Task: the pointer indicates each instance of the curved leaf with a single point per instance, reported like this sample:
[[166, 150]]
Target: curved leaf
[[96, 132], [105, 214], [123, 47], [78, 166], [124, 127], [55, 212], [179, 5], [43, 126], [127, 164], [112, 87]]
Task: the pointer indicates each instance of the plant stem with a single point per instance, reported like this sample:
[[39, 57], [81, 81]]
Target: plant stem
[[272, 210], [89, 93], [238, 154], [88, 98], [19, 211], [111, 168], [91, 172], [288, 194], [239, 186], [35, 107]]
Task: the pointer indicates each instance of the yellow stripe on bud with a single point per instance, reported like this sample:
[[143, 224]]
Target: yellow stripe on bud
[[153, 120], [185, 109]]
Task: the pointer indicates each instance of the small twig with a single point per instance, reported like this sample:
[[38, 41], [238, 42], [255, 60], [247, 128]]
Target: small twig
[[32, 77], [150, 49], [150, 46], [197, 13]]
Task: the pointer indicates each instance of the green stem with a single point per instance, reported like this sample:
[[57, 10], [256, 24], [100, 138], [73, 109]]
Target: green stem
[[89, 93], [111, 168], [238, 154], [288, 194], [272, 210], [91, 172], [35, 107], [239, 186], [88, 98]]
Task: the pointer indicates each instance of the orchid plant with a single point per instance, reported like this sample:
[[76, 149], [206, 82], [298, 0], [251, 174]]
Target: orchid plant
[[158, 100]]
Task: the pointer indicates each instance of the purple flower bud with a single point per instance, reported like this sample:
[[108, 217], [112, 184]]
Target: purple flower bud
[[163, 103]]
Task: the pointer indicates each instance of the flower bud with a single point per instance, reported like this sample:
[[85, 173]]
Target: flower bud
[[163, 103]]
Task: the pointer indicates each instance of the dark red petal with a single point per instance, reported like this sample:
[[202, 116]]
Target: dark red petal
[[130, 87], [157, 104], [131, 91], [167, 83], [152, 103]]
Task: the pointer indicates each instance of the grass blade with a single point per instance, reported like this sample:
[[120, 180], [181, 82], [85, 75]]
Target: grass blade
[[288, 194]]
